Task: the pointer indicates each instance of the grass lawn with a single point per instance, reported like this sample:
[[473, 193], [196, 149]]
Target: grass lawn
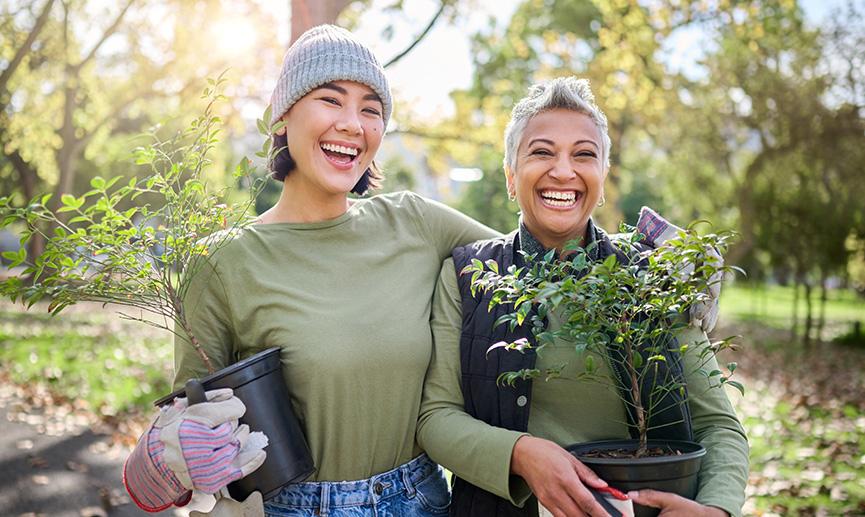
[[773, 306], [87, 356]]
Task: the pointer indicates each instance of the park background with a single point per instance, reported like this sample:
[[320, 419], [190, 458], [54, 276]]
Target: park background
[[750, 114]]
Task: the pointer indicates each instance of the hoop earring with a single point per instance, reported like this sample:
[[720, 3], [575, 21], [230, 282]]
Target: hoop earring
[[603, 201], [512, 195]]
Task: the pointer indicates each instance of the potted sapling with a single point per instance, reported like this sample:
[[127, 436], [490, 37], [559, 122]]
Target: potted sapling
[[137, 244], [626, 310]]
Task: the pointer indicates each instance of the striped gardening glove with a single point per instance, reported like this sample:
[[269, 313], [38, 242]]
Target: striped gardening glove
[[198, 447], [657, 231]]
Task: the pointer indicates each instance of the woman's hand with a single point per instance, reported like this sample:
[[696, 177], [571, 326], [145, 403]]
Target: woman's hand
[[556, 478], [656, 231], [672, 505]]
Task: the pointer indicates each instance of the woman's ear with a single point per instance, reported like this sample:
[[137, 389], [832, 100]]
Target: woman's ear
[[281, 130]]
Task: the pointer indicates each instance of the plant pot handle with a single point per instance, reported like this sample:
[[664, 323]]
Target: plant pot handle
[[195, 392]]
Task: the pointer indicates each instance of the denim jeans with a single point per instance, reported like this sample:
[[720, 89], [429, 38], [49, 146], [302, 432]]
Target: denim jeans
[[415, 489]]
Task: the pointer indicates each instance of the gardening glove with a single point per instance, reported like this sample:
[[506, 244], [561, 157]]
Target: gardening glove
[[225, 506], [657, 231], [198, 447]]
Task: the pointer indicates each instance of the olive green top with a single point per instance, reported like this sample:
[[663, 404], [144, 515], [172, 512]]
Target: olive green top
[[564, 410], [348, 301]]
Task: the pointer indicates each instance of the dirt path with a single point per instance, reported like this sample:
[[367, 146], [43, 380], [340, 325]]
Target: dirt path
[[54, 464]]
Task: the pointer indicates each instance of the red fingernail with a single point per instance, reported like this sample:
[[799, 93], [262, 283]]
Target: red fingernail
[[613, 492]]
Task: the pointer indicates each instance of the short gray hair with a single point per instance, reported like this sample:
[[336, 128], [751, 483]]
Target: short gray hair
[[567, 93]]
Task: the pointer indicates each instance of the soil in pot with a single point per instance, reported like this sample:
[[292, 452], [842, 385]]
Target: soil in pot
[[613, 461]]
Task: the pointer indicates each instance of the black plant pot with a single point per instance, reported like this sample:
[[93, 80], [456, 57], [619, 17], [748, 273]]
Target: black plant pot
[[259, 383], [676, 473]]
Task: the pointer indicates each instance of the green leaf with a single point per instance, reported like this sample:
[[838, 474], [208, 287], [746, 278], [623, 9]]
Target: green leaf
[[493, 266], [738, 386]]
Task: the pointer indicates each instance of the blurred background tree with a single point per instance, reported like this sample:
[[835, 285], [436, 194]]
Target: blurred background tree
[[762, 132]]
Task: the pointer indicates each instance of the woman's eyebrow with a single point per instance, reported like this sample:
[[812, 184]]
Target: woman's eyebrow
[[587, 142], [330, 86], [540, 141]]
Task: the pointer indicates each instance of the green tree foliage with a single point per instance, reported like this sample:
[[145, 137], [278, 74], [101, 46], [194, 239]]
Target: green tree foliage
[[92, 76], [762, 134]]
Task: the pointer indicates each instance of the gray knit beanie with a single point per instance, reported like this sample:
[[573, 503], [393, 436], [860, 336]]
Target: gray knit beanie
[[323, 54]]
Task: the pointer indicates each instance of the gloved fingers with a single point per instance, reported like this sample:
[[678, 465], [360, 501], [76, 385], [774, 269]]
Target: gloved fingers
[[710, 319], [212, 469], [218, 395], [181, 403], [241, 434], [699, 310], [195, 435], [216, 413], [715, 285], [248, 461], [655, 229], [685, 272]]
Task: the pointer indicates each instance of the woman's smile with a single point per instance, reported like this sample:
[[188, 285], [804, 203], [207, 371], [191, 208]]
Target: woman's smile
[[341, 155], [560, 199]]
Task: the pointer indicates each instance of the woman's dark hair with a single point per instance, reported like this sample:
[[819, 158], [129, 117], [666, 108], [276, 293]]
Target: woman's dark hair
[[282, 164]]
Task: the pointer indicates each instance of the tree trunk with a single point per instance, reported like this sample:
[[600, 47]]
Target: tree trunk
[[809, 320], [795, 315], [67, 154], [824, 296], [309, 13]]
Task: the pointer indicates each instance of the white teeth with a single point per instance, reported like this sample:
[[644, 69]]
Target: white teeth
[[570, 197], [559, 199], [351, 151]]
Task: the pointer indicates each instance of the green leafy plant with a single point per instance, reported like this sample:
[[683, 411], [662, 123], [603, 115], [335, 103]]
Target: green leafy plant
[[625, 311], [136, 243]]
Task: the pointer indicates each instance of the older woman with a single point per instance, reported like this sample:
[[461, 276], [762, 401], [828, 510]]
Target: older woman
[[556, 160]]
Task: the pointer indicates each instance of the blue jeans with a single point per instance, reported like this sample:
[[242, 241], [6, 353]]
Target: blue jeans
[[415, 489]]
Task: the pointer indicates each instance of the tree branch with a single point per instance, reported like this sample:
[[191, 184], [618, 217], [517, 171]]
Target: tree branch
[[125, 104], [24, 48], [420, 36], [107, 34], [438, 136]]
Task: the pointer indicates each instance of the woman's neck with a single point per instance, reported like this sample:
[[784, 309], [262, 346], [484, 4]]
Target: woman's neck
[[530, 241], [297, 204]]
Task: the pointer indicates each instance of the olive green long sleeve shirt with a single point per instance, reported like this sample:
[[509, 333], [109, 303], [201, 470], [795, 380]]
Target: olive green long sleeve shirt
[[348, 302]]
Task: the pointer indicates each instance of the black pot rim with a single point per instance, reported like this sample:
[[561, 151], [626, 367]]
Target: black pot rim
[[219, 374], [694, 450]]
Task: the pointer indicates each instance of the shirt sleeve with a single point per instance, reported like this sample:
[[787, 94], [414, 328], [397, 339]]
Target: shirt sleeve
[[205, 306], [724, 471], [473, 450], [448, 228]]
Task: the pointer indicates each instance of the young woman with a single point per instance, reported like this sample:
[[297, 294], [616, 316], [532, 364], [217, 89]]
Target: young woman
[[342, 286]]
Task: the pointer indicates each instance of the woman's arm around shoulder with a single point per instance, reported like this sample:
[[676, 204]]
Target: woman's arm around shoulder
[[446, 228]]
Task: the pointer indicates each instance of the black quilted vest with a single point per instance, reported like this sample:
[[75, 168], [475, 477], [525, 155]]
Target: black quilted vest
[[506, 406]]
